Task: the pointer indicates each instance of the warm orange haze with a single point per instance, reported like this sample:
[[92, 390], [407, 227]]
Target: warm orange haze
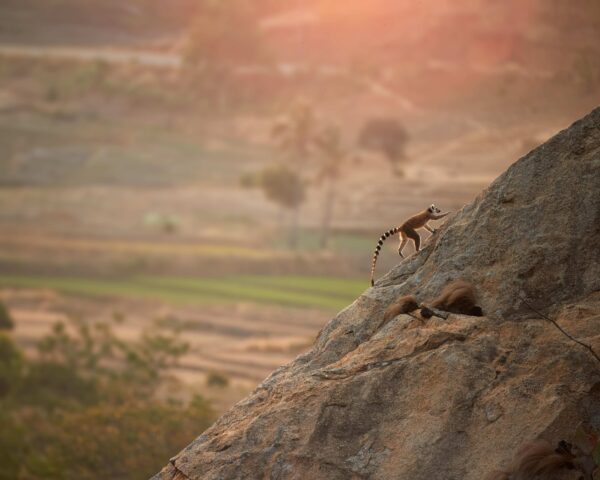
[[191, 189]]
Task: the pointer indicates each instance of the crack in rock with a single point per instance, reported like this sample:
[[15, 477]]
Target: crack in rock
[[432, 343]]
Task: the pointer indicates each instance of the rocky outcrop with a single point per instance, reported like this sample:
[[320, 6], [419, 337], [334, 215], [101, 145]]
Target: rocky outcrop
[[443, 399]]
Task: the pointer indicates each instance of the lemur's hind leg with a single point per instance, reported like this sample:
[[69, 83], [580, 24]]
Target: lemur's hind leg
[[414, 236], [403, 242]]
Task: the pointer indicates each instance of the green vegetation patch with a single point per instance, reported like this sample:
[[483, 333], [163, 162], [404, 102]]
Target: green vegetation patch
[[328, 293], [347, 242], [92, 405]]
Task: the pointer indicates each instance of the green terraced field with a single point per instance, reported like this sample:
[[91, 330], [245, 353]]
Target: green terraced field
[[326, 293]]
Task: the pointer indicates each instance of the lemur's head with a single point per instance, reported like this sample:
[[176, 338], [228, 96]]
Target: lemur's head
[[433, 209]]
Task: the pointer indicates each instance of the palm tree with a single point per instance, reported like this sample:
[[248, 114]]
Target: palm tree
[[294, 136], [333, 156], [295, 133]]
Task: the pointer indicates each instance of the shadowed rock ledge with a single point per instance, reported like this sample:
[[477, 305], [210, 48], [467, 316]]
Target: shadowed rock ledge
[[443, 399]]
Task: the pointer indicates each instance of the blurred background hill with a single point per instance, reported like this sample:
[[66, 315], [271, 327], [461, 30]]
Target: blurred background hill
[[220, 170]]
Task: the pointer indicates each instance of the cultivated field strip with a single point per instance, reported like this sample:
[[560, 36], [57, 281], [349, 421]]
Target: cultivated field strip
[[324, 293], [239, 369]]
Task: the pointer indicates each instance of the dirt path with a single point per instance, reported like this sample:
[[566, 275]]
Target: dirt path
[[122, 56]]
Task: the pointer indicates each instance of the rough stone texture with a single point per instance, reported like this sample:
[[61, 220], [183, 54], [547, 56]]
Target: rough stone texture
[[535, 230], [443, 399]]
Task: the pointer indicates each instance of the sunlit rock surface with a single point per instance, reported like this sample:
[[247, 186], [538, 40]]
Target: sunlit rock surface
[[443, 399]]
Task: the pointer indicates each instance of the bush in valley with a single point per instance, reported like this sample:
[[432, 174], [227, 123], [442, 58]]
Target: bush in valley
[[283, 186], [217, 379], [6, 321], [11, 366], [166, 223], [88, 405], [62, 80]]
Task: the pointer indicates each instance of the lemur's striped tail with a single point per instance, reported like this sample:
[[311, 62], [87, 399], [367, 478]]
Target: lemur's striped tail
[[382, 239]]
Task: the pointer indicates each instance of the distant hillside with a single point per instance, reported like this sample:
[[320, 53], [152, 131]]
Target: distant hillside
[[451, 44], [529, 33], [91, 22], [429, 51], [534, 32]]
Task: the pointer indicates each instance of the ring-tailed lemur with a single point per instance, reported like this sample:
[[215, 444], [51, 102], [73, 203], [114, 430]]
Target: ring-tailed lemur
[[408, 230]]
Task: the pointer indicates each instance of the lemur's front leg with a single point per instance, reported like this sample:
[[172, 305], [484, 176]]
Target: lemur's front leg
[[441, 215]]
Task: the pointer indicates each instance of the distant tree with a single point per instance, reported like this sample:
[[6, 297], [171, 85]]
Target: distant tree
[[294, 136], [388, 137], [12, 430], [295, 133], [285, 187], [11, 365], [6, 321], [282, 186], [333, 155], [225, 35], [217, 379]]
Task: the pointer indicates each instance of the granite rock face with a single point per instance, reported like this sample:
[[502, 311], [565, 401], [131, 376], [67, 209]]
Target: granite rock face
[[443, 399], [534, 231]]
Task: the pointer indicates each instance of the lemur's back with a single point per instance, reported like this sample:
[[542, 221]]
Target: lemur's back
[[416, 221]]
